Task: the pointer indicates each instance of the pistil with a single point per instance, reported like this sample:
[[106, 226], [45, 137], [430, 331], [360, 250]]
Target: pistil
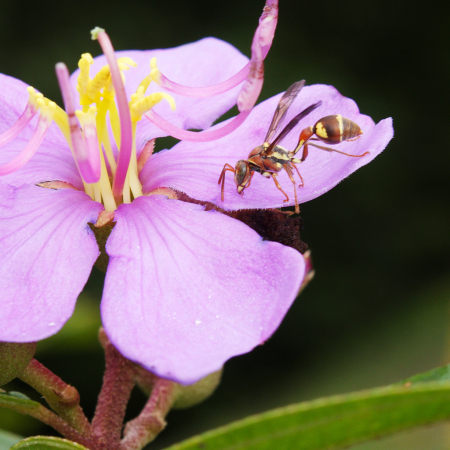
[[126, 134]]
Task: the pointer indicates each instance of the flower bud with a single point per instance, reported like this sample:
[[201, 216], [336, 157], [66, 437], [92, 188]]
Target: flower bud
[[187, 396], [14, 358]]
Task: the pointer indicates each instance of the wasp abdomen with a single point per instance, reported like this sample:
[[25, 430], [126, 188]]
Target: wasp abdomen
[[334, 129]]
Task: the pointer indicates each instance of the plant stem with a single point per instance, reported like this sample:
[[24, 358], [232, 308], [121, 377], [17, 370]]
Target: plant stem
[[118, 382], [40, 412], [150, 422], [62, 398]]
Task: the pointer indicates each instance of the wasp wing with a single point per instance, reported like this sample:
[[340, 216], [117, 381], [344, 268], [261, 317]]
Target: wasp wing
[[291, 125], [282, 107]]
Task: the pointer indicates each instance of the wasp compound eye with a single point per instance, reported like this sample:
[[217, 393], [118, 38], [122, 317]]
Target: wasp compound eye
[[242, 172]]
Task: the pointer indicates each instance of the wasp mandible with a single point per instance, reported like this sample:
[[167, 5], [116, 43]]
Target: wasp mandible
[[269, 158]]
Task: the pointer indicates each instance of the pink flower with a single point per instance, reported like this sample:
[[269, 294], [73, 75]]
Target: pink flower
[[185, 288]]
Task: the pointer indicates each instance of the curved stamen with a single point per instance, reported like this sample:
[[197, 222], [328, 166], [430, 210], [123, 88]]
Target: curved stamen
[[198, 92], [267, 25], [126, 138], [250, 91], [264, 33], [30, 111], [45, 119], [195, 136], [86, 158], [253, 84]]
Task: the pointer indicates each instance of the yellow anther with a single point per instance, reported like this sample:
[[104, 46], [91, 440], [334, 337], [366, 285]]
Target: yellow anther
[[145, 82], [41, 103], [47, 108], [124, 62], [141, 106], [88, 117], [91, 90], [62, 121], [83, 78], [138, 95], [33, 97], [101, 79], [155, 74]]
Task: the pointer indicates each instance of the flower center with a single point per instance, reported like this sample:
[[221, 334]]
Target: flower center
[[99, 114], [93, 131]]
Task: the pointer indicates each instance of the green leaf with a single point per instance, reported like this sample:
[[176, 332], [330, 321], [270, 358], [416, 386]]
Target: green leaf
[[47, 443], [439, 374], [333, 422], [14, 400], [8, 439]]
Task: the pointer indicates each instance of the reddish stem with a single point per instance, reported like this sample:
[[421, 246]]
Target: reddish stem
[[150, 422], [118, 382], [62, 398]]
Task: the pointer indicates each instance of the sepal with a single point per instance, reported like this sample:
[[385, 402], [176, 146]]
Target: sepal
[[187, 396], [14, 358]]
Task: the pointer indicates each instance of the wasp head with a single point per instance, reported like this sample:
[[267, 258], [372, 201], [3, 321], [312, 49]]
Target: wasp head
[[242, 175]]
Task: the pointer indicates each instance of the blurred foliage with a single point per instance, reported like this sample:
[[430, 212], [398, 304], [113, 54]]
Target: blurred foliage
[[8, 439], [334, 422], [376, 311], [47, 443]]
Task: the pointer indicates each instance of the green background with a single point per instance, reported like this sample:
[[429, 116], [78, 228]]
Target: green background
[[377, 310]]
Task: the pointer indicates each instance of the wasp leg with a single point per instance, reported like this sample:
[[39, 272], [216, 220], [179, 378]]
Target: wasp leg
[[301, 178], [274, 178], [328, 149], [305, 149], [291, 177], [222, 177], [304, 154]]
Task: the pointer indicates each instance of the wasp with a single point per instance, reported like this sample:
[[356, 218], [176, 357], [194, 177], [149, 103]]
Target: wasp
[[269, 158]]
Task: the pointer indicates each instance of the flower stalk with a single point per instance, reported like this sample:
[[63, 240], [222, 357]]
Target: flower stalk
[[48, 417], [150, 422], [62, 398], [118, 382]]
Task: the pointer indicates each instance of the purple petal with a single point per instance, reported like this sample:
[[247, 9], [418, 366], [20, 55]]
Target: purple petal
[[187, 289], [48, 251], [52, 161], [195, 168], [202, 63]]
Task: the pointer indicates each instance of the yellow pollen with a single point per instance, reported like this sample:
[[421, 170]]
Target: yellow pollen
[[47, 108], [88, 117], [140, 105], [83, 78], [155, 74], [101, 85], [34, 96]]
